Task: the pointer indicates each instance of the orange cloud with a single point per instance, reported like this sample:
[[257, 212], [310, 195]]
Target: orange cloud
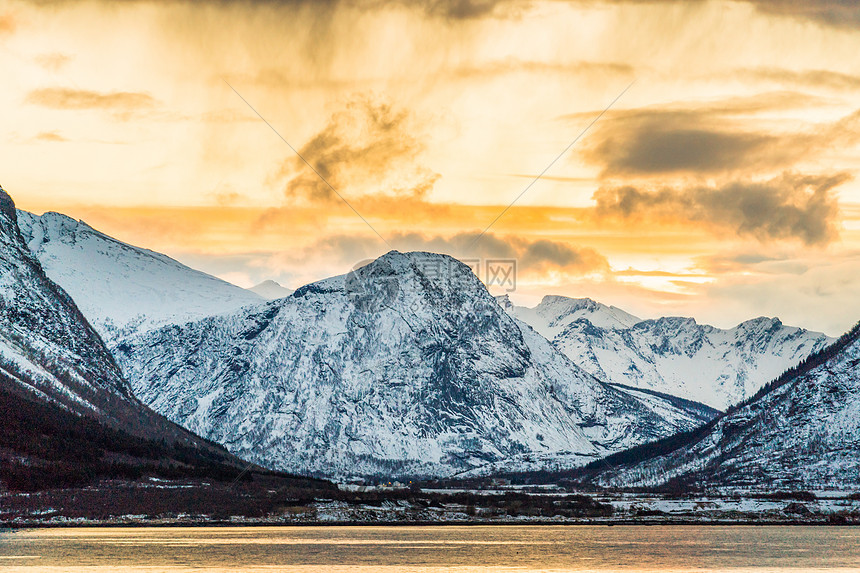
[[50, 136], [122, 104], [7, 23]]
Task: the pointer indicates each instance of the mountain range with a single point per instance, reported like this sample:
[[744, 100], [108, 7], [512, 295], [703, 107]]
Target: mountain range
[[124, 290], [673, 355], [391, 371], [800, 432]]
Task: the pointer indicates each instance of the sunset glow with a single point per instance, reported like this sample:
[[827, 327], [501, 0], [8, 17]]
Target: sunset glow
[[722, 185]]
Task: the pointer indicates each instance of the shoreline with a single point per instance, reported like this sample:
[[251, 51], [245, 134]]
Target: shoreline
[[307, 524]]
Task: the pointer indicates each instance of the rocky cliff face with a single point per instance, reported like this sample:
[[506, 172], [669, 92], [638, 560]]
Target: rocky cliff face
[[45, 342]]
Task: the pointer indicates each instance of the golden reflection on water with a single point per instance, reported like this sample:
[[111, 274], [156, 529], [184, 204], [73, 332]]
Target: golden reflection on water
[[450, 549]]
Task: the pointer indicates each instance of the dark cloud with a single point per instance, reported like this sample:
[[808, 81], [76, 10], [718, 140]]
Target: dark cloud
[[121, 104], [532, 256], [544, 254], [711, 139], [464, 9], [369, 147], [659, 148], [788, 207], [666, 141], [837, 13], [448, 9]]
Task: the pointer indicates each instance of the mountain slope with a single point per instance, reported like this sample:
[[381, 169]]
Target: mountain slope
[[121, 288], [54, 366], [46, 345], [802, 432], [386, 371], [676, 356]]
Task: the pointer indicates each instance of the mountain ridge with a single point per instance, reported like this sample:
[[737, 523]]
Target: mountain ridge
[[122, 288], [673, 355]]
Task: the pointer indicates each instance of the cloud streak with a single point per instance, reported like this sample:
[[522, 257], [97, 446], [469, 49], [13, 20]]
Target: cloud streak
[[791, 206], [53, 62], [446, 9], [50, 136], [806, 78], [121, 104]]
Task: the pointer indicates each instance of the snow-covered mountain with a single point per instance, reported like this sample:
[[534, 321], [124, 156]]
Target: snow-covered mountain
[[389, 371], [271, 290], [676, 356], [121, 288], [802, 432], [49, 353]]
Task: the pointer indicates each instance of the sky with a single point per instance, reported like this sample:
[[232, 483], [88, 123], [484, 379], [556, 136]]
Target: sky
[[686, 158]]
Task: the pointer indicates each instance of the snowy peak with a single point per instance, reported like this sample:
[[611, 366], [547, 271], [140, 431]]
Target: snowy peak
[[414, 274], [555, 314], [121, 288], [560, 308], [404, 367], [51, 226], [49, 353], [271, 290]]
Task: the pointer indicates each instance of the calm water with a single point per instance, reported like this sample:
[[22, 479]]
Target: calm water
[[433, 549]]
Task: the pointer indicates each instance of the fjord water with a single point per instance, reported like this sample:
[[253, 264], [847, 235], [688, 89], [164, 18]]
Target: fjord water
[[490, 549]]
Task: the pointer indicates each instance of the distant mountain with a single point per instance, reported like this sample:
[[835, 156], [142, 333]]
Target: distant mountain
[[801, 432], [555, 314], [676, 356], [270, 290], [389, 371], [121, 288], [60, 387]]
